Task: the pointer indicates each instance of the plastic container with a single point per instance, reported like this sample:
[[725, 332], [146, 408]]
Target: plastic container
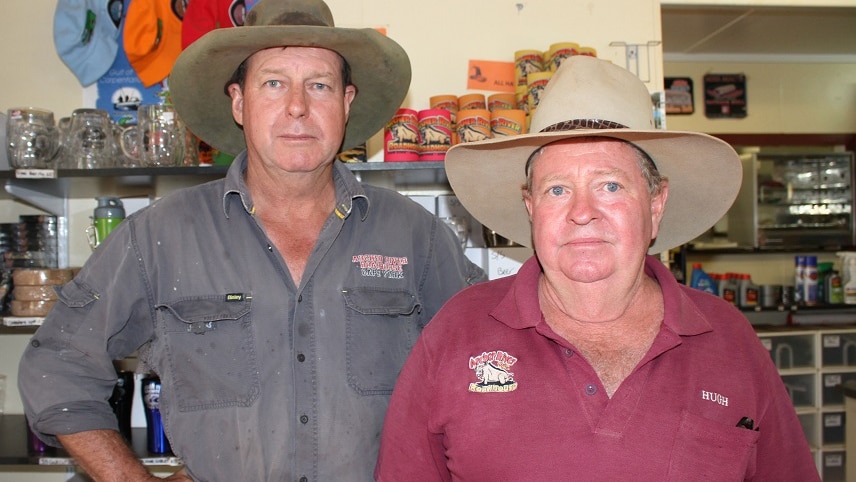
[[702, 281], [848, 263], [750, 293], [730, 291], [834, 288]]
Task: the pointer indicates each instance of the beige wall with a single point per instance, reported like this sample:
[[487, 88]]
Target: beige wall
[[805, 98], [440, 37]]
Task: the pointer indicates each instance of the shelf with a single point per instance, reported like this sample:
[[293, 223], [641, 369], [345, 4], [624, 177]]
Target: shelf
[[40, 174], [14, 447]]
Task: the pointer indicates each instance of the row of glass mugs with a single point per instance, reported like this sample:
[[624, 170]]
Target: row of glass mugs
[[89, 139]]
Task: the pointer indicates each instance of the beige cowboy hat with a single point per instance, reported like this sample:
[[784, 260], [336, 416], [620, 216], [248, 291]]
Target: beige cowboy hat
[[380, 69], [592, 97]]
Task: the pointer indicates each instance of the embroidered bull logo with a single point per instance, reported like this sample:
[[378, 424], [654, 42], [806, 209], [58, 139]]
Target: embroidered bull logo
[[488, 374]]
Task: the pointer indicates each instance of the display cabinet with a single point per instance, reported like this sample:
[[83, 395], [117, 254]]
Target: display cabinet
[[794, 200], [813, 364]]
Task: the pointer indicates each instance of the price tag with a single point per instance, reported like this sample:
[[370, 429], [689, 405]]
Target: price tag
[[22, 321], [35, 173], [831, 341]]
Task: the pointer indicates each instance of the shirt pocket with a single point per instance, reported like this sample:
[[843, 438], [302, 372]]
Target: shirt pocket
[[709, 450], [381, 327], [211, 351]]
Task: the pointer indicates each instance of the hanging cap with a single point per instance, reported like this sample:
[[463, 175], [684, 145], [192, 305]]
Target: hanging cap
[[152, 38], [86, 34]]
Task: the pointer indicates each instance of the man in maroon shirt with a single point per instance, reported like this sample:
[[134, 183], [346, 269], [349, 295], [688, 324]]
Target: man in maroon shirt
[[592, 362]]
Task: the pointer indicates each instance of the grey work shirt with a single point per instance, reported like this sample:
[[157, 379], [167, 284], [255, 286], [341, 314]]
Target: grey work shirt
[[262, 380]]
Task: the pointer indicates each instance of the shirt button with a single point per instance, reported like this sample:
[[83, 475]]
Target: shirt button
[[299, 298], [304, 419], [35, 343], [270, 248], [301, 357], [303, 479], [591, 389], [569, 353]]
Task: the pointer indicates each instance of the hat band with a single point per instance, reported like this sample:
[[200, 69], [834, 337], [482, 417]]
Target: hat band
[[570, 125]]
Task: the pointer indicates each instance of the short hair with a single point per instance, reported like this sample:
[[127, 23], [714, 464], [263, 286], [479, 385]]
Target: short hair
[[647, 166], [240, 75]]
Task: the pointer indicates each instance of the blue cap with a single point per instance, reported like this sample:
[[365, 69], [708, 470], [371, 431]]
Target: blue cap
[[86, 36]]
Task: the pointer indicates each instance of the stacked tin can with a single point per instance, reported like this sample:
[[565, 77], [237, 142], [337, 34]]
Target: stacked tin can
[[32, 242]]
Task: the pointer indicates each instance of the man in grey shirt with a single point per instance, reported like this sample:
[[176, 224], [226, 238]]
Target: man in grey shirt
[[277, 305]]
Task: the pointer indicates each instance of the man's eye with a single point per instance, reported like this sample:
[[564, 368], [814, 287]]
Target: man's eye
[[557, 190], [320, 86], [612, 186], [272, 83]]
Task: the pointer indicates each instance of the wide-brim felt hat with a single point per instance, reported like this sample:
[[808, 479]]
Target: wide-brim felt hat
[[380, 69], [593, 97]]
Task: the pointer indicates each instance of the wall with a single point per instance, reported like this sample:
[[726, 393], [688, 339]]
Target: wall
[[804, 98], [440, 37]]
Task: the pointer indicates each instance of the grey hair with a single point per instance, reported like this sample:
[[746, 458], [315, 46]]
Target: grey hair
[[649, 170]]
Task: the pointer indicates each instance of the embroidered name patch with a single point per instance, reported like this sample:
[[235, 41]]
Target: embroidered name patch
[[380, 266], [492, 369]]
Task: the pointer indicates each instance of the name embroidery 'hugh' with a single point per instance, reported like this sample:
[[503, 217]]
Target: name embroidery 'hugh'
[[492, 369]]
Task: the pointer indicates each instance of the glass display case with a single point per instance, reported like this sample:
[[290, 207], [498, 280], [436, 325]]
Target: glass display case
[[794, 201]]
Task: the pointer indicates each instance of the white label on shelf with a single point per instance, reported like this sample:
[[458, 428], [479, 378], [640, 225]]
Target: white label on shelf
[[167, 460], [35, 173], [22, 321], [831, 341], [768, 343], [832, 420], [833, 460], [831, 380], [56, 461]]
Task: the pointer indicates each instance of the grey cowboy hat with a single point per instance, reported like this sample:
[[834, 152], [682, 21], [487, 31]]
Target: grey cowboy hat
[[380, 69]]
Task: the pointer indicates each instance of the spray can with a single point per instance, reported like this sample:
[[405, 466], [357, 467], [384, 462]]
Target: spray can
[[799, 279], [157, 442], [810, 281]]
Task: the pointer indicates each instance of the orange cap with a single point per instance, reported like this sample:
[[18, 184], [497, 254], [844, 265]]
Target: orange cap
[[152, 38]]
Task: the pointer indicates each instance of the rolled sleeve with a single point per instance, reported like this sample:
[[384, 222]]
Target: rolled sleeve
[[65, 376]]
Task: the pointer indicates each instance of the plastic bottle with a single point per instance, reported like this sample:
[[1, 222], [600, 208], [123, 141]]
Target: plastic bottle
[[799, 272], [730, 289], [702, 281], [810, 281], [749, 292], [849, 268], [824, 270], [834, 288]]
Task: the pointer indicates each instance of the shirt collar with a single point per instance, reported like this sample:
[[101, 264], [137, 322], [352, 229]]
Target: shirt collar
[[349, 191], [520, 308]]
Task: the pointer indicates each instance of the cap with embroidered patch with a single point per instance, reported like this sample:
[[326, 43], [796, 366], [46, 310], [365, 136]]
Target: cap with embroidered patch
[[86, 34], [203, 16], [152, 38]]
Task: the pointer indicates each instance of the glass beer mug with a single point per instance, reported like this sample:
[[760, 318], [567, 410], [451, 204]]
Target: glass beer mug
[[32, 139]]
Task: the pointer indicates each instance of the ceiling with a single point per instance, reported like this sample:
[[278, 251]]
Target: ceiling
[[776, 34]]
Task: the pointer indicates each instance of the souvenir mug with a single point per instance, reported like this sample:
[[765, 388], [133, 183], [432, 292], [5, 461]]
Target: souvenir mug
[[89, 142], [32, 139], [157, 140]]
